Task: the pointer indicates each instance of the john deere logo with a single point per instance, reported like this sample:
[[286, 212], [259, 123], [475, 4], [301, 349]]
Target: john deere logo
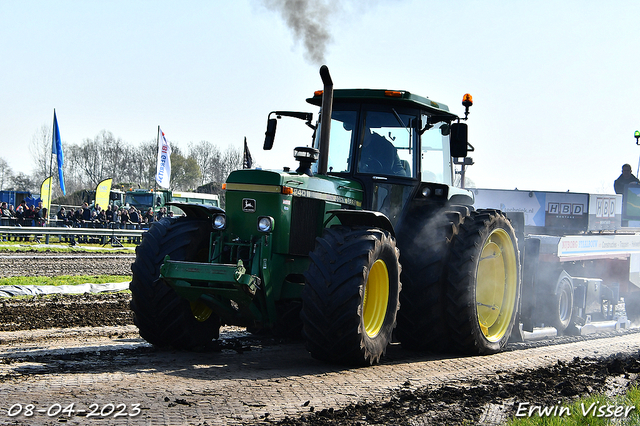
[[248, 205]]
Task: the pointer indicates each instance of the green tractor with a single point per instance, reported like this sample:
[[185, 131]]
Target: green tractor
[[366, 242]]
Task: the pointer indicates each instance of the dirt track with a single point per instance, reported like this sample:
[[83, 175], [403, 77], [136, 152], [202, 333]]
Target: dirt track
[[34, 264], [96, 357]]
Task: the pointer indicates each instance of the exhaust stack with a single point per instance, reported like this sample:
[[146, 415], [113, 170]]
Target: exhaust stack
[[325, 126]]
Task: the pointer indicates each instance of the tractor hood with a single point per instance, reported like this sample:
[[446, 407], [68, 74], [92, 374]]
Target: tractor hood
[[295, 204], [328, 188]]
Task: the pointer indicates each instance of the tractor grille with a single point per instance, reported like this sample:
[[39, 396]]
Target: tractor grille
[[304, 224]]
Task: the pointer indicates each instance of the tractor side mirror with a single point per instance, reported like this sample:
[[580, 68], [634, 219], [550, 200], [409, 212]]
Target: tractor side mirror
[[270, 134], [458, 143]]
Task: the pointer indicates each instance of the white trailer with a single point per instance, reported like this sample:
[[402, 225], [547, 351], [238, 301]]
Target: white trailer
[[579, 261]]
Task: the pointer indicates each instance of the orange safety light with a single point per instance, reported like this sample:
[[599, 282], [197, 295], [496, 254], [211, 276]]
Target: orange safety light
[[467, 100], [393, 93], [318, 93], [224, 186], [286, 190]]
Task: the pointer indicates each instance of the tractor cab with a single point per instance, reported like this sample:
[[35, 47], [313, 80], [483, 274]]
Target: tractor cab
[[392, 142]]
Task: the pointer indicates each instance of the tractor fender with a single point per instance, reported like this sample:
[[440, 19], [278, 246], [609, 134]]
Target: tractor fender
[[197, 211], [363, 218]]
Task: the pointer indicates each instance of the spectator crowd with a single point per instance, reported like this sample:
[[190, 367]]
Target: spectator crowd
[[114, 216], [85, 216], [23, 215]]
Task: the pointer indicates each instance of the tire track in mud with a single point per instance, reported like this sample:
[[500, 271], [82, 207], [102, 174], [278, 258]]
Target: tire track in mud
[[252, 380], [84, 350]]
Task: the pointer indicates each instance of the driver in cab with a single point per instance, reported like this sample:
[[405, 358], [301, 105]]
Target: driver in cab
[[378, 155]]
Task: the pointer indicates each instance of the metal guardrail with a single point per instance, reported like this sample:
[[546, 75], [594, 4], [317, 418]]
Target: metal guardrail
[[73, 235]]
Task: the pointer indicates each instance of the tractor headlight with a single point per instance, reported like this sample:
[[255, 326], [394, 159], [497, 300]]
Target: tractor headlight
[[219, 221], [265, 224]]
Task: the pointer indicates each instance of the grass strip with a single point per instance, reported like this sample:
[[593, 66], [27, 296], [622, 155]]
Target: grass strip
[[64, 248], [65, 280]]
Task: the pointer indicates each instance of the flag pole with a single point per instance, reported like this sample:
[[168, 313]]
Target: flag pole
[[53, 140], [155, 182]]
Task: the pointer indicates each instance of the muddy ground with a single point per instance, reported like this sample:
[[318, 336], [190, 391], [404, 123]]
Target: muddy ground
[[476, 401], [456, 403]]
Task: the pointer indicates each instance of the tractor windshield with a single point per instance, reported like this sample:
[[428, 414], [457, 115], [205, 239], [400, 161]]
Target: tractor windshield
[[140, 200], [387, 144], [343, 126], [384, 146]]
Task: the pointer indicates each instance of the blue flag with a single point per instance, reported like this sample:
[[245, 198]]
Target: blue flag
[[56, 148]]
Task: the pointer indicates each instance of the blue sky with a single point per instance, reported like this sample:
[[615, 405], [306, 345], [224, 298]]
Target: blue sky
[[555, 84]]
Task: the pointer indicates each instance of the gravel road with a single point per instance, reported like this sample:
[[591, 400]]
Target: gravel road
[[84, 350]]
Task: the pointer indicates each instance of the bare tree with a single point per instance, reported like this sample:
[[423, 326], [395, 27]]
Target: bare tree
[[24, 182], [141, 164], [75, 177], [113, 156], [44, 162], [40, 150], [208, 158], [185, 172], [106, 156], [231, 160], [92, 156], [6, 174]]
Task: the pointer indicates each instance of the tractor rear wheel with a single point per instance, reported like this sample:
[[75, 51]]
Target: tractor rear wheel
[[350, 300], [424, 252], [484, 283], [162, 317]]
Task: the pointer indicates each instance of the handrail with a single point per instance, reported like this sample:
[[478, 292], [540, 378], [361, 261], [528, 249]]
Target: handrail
[[59, 230], [106, 235]]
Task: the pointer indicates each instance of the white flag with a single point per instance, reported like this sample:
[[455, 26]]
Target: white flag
[[163, 168]]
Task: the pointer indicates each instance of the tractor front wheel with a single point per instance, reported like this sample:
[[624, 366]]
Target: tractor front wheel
[[351, 296], [484, 283], [162, 317]]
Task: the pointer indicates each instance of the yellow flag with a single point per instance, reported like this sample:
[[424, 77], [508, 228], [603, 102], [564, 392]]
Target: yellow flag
[[45, 193], [102, 193]]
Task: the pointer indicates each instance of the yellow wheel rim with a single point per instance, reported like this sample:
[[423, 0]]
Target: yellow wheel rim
[[496, 285], [200, 311], [376, 298]]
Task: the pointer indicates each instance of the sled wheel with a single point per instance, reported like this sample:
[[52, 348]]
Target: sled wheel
[[632, 306], [563, 306], [350, 299], [162, 317], [423, 254], [484, 284]]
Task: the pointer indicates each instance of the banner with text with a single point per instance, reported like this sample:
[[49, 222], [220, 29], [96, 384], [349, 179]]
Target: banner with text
[[163, 167], [45, 193], [102, 193]]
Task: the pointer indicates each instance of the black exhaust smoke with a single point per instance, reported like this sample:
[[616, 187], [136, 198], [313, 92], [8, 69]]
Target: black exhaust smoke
[[308, 21]]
